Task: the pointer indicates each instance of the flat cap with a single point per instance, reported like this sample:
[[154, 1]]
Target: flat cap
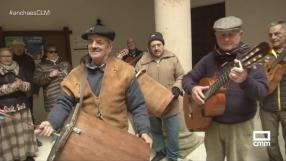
[[227, 24], [99, 30]]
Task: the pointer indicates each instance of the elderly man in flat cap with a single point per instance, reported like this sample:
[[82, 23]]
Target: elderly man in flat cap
[[108, 86], [230, 134]]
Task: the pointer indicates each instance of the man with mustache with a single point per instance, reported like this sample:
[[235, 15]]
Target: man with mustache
[[164, 66], [108, 86]]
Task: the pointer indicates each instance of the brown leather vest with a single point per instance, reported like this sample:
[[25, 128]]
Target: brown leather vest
[[111, 102]]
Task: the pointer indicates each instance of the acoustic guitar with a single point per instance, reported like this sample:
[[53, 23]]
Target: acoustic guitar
[[198, 117], [130, 60], [122, 53], [275, 71]]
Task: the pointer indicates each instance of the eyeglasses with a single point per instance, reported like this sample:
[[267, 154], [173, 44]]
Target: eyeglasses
[[53, 51]]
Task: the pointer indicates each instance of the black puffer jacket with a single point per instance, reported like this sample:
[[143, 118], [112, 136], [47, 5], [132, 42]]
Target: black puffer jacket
[[51, 86], [276, 101]]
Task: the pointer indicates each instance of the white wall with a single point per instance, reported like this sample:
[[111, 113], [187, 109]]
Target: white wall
[[256, 15], [133, 18]]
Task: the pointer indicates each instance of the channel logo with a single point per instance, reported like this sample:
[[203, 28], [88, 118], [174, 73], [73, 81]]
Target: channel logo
[[261, 138]]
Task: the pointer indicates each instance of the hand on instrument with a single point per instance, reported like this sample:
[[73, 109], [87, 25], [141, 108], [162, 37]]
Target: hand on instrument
[[122, 53], [238, 74], [198, 95], [44, 129], [147, 139], [176, 92]]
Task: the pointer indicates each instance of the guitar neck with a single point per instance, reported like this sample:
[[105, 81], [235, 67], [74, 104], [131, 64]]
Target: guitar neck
[[247, 61], [217, 85]]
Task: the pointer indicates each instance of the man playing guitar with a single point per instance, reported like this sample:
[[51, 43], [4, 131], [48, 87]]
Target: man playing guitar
[[130, 54], [230, 134]]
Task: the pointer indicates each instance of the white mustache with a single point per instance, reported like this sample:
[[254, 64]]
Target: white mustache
[[94, 49]]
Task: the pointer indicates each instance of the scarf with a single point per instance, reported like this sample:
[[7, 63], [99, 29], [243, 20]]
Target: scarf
[[13, 68], [223, 57], [54, 61], [86, 60]]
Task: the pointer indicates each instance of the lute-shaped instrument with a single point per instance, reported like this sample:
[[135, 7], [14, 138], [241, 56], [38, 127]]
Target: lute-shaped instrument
[[275, 71]]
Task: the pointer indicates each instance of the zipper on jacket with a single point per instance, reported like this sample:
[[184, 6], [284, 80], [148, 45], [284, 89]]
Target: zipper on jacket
[[158, 66], [279, 97], [278, 86]]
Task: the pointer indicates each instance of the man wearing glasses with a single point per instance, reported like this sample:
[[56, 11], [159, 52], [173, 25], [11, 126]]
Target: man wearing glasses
[[49, 74]]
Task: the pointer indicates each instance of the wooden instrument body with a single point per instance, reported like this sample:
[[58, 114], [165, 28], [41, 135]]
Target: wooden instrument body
[[128, 59], [101, 141], [157, 97], [215, 105], [198, 117], [194, 118], [275, 71], [133, 60]]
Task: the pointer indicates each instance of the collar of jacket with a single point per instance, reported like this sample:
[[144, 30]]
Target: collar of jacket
[[148, 57], [52, 61], [86, 62], [93, 67]]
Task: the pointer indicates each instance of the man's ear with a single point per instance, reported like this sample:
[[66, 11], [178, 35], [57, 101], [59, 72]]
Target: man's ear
[[148, 49], [241, 33], [111, 45]]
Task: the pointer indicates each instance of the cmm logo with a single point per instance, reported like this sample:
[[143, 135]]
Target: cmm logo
[[261, 141]]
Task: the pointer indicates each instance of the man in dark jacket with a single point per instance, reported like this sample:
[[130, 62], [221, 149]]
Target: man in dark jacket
[[25, 61], [273, 107], [229, 135], [131, 54]]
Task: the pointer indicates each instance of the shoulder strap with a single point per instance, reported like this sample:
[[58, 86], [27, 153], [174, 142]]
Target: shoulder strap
[[70, 124]]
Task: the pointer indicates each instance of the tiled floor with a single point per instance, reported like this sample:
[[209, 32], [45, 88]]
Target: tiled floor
[[44, 150], [256, 153]]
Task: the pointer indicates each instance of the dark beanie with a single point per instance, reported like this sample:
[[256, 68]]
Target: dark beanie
[[99, 30], [156, 36]]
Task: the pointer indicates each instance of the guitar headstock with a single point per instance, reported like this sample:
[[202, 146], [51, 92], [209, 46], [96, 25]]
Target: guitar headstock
[[258, 55], [123, 52]]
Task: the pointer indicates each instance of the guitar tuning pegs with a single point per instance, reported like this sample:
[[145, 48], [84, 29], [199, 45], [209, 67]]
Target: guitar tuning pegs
[[266, 60]]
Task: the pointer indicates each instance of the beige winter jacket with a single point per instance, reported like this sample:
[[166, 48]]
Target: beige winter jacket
[[168, 71]]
